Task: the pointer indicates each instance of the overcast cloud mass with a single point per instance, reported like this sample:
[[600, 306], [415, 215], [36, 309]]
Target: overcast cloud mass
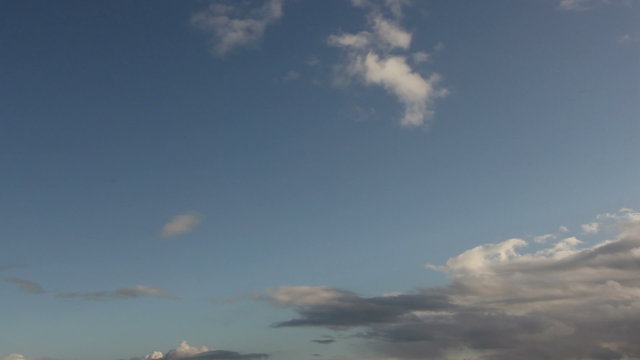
[[564, 301]]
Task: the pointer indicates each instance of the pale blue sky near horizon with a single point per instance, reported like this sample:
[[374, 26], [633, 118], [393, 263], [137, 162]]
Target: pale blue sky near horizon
[[117, 116]]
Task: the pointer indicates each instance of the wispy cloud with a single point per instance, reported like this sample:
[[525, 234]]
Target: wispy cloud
[[232, 26], [184, 351], [376, 56], [25, 285], [131, 292], [181, 224], [629, 39], [565, 301]]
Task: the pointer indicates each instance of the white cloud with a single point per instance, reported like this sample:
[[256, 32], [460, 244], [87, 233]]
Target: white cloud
[[590, 228], [180, 224], [232, 27], [372, 58]]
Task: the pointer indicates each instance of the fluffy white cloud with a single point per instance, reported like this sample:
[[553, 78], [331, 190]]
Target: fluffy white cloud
[[568, 300], [180, 224], [233, 27], [372, 58]]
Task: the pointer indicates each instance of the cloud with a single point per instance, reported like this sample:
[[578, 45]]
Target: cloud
[[291, 75], [131, 292], [26, 285], [568, 300], [629, 39], [180, 224], [375, 57], [233, 27], [19, 357], [584, 5], [590, 228], [324, 341], [184, 351]]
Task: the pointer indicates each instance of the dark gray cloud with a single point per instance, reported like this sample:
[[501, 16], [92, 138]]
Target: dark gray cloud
[[324, 341], [130, 292], [567, 301], [25, 285]]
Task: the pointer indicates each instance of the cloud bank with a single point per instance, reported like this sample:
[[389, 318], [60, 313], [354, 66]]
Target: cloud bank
[[180, 224], [184, 351], [564, 301], [379, 56], [233, 27]]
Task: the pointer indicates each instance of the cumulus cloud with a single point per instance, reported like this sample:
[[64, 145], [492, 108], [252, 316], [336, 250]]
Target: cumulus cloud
[[27, 286], [180, 224], [184, 351], [131, 292], [376, 56], [568, 300], [232, 26]]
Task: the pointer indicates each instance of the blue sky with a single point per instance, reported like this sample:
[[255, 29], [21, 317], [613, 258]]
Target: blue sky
[[207, 170]]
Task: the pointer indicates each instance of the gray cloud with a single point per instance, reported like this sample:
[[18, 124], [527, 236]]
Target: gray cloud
[[26, 285], [565, 301], [324, 341], [233, 27], [130, 292]]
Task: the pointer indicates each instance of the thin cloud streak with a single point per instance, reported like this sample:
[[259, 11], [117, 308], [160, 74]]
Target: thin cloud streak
[[25, 285], [131, 292]]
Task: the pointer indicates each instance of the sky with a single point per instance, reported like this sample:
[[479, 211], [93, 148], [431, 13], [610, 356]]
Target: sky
[[300, 179]]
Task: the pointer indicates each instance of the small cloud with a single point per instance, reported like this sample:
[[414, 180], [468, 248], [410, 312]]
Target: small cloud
[[312, 61], [590, 228], [233, 27], [544, 238], [324, 341], [420, 57], [180, 224], [290, 76], [563, 229], [131, 292], [629, 39], [27, 286]]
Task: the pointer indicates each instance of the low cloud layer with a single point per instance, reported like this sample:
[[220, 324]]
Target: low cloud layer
[[232, 26], [184, 351], [131, 292], [568, 300], [380, 56], [180, 224], [25, 285]]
